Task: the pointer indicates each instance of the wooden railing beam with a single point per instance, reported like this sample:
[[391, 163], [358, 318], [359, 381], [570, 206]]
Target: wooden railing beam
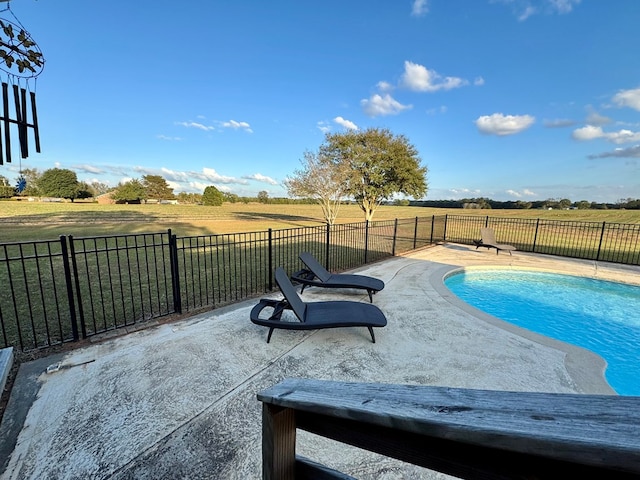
[[469, 433]]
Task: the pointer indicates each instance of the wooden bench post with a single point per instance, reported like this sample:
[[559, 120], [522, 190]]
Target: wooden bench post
[[278, 443]]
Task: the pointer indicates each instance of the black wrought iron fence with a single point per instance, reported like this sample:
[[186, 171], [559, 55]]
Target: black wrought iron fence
[[601, 241], [59, 291]]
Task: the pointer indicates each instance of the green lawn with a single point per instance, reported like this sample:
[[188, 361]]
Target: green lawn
[[25, 221]]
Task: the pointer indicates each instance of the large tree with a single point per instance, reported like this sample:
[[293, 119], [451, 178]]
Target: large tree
[[59, 182], [379, 165], [157, 187], [263, 196], [212, 196], [321, 179], [131, 191]]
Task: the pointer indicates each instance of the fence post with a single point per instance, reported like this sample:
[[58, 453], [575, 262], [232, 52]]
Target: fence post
[[270, 247], [600, 243], [535, 237], [433, 222], [69, 283], [366, 240], [175, 273], [415, 233], [326, 247], [395, 234], [444, 232], [486, 221], [76, 279]]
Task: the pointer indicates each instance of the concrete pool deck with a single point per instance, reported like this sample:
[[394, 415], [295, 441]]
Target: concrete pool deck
[[178, 400]]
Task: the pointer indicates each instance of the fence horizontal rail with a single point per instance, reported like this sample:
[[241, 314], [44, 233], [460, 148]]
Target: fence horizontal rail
[[69, 289], [601, 241]]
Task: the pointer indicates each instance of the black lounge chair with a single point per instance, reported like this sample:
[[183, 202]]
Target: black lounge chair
[[315, 315], [316, 275], [488, 240]]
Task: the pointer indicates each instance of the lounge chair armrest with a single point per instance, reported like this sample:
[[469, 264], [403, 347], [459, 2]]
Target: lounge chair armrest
[[303, 275], [278, 307]]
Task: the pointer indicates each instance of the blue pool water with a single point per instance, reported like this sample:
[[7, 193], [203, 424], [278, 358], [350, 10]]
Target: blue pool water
[[601, 316]]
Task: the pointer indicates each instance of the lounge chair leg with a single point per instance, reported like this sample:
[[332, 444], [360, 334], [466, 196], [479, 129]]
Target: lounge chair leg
[[269, 336], [302, 289], [373, 337], [370, 295]]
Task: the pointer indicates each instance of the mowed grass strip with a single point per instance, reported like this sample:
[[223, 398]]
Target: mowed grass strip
[[27, 221]]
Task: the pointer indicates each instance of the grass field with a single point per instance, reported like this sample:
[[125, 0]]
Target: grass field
[[26, 221]]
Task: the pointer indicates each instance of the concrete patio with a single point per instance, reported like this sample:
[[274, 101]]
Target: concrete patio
[[178, 400]]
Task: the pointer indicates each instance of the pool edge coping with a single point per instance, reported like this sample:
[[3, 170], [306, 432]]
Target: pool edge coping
[[585, 367]]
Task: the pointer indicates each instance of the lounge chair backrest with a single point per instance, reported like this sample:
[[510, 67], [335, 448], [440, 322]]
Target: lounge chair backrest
[[317, 269], [290, 294], [488, 236]]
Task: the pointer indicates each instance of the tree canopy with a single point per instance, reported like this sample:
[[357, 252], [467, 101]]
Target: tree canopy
[[378, 165], [59, 182], [157, 187], [212, 196], [131, 191], [322, 180]]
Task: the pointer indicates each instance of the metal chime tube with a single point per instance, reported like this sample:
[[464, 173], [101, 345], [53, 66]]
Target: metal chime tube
[[5, 118]]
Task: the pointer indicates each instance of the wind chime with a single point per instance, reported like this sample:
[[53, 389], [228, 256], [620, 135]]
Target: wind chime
[[21, 61]]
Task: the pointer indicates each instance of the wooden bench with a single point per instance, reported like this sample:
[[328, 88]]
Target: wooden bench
[[460, 432]]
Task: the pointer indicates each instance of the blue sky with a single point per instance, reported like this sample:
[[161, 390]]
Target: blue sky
[[506, 99]]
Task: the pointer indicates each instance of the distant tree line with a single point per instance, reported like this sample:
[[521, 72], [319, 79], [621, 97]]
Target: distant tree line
[[551, 203], [55, 182], [63, 183]]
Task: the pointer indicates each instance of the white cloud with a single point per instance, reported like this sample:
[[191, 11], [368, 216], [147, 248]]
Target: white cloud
[[199, 126], [88, 168], [527, 12], [501, 125], [563, 6], [623, 136], [594, 118], [524, 9], [478, 81], [237, 125], [558, 123], [420, 79], [588, 132], [591, 132], [379, 105], [523, 193], [174, 176], [176, 186], [628, 98], [348, 124], [324, 127], [631, 152], [213, 176], [464, 191], [419, 8], [384, 86], [165, 137], [261, 178]]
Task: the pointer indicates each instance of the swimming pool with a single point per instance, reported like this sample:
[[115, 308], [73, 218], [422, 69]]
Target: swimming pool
[[599, 315]]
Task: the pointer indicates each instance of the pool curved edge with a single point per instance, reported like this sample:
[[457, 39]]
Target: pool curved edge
[[585, 367]]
